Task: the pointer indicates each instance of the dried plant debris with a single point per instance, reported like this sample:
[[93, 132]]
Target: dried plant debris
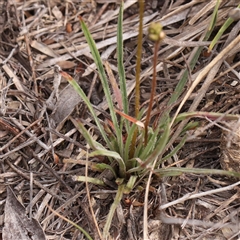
[[230, 146], [17, 225]]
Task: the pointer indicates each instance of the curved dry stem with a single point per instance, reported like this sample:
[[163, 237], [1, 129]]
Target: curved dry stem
[[194, 222], [197, 195]]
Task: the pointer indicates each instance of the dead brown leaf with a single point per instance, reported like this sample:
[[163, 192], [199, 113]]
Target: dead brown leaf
[[17, 224]]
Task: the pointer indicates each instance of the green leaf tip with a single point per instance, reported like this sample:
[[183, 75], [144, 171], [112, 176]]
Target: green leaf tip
[[234, 14]]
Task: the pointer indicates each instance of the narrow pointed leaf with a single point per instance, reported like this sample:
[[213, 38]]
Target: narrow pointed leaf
[[89, 180], [121, 70], [131, 119], [114, 84], [113, 208], [111, 154], [224, 27], [89, 105], [103, 77]]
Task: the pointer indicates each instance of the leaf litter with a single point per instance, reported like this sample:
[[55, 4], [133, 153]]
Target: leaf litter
[[37, 106]]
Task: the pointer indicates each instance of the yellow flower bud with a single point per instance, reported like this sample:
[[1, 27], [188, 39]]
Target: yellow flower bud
[[155, 32]]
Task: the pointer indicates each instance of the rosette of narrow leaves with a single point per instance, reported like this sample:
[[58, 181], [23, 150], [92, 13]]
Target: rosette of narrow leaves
[[132, 148]]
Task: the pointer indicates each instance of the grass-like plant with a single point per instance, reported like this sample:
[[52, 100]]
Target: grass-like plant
[[232, 17], [135, 149]]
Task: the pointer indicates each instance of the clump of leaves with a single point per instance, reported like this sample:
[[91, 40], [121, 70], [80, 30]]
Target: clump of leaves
[[143, 149]]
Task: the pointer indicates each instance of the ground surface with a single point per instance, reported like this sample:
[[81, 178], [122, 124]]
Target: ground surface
[[40, 148]]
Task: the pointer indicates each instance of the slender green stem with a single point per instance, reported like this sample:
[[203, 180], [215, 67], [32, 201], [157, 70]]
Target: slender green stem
[[71, 222], [153, 89]]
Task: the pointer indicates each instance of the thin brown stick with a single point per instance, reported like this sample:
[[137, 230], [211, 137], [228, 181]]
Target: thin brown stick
[[15, 169], [16, 132], [138, 67]]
